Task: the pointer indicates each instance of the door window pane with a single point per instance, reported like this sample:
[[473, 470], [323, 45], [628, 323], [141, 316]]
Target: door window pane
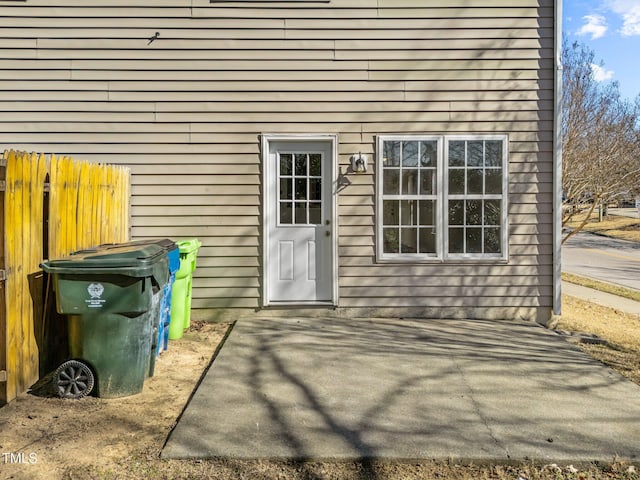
[[315, 213], [315, 189], [286, 213], [301, 212], [301, 164], [315, 165], [286, 162], [286, 192], [301, 188]]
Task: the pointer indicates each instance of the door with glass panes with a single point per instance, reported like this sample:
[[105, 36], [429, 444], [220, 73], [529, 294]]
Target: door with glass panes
[[299, 222]]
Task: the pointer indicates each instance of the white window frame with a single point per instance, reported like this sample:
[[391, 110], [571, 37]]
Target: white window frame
[[437, 197], [504, 227], [442, 199]]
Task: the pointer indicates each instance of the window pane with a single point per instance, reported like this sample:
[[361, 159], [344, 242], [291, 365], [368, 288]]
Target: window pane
[[493, 153], [301, 212], [474, 212], [428, 154], [410, 182], [391, 182], [474, 240], [315, 213], [410, 154], [492, 240], [493, 181], [456, 181], [391, 242], [474, 154], [409, 212], [456, 240], [391, 154], [315, 165], [391, 212], [427, 241], [286, 213], [286, 191], [301, 164], [492, 212], [315, 189], [409, 243], [427, 182], [456, 154], [474, 181], [456, 212], [427, 212], [286, 164], [301, 188]]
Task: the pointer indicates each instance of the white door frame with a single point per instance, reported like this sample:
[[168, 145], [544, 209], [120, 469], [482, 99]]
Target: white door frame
[[267, 166]]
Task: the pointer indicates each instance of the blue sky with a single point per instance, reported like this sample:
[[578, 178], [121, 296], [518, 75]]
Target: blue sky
[[611, 28]]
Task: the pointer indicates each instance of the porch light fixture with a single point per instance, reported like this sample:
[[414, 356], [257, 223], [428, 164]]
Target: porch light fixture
[[359, 163]]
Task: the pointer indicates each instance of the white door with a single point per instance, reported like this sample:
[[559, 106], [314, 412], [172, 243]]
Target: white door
[[299, 222]]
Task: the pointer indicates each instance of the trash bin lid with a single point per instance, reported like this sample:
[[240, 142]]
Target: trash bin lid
[[169, 245], [189, 245], [130, 260]]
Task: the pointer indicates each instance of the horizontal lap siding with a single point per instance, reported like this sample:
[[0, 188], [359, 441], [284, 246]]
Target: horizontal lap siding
[[185, 112]]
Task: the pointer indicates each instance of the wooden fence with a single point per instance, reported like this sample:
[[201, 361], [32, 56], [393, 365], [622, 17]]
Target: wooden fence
[[50, 207]]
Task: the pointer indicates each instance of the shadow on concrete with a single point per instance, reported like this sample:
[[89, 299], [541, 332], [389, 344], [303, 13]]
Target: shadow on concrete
[[312, 389]]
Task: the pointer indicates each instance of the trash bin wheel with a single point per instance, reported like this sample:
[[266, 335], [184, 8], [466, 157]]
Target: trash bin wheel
[[73, 379]]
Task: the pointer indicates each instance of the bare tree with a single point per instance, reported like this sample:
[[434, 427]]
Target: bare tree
[[600, 134]]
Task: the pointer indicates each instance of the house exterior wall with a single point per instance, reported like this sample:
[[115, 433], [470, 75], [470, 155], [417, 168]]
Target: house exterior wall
[[185, 108]]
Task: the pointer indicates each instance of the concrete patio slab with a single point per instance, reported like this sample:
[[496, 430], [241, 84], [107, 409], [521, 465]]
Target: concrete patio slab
[[327, 388]]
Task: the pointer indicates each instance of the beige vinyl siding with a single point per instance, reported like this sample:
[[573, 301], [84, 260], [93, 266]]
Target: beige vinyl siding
[[185, 111]]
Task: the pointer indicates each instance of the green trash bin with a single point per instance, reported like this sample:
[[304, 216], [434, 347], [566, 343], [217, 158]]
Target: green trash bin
[[181, 290], [111, 296]]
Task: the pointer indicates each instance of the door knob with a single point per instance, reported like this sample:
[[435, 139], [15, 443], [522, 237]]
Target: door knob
[[327, 222], [327, 233]]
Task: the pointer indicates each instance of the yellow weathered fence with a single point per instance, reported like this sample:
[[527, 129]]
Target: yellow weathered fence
[[87, 204]]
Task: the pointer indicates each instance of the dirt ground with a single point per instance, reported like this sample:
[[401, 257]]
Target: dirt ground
[[43, 437]]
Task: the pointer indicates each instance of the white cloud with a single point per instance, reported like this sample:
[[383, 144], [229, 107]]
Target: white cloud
[[596, 26], [629, 10], [600, 74]]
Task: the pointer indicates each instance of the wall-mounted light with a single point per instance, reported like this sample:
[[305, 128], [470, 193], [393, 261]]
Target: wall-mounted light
[[359, 163]]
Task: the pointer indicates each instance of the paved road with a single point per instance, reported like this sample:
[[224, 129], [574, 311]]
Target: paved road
[[602, 258]]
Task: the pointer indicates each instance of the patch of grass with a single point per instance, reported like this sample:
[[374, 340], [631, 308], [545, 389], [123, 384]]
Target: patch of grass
[[602, 286], [614, 326], [624, 228]]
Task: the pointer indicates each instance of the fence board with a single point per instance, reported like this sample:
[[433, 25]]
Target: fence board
[[88, 205]]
